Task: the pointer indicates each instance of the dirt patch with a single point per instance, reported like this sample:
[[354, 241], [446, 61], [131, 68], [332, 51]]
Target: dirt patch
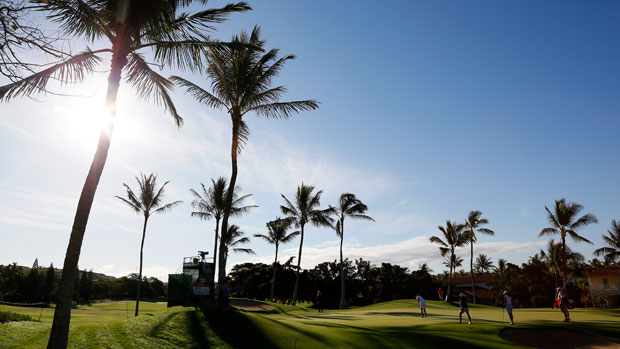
[[250, 305], [555, 338]]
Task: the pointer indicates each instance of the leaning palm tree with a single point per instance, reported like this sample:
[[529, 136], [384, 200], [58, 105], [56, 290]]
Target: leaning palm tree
[[352, 207], [454, 237], [233, 238], [128, 27], [305, 210], [276, 235], [612, 252], [565, 222], [241, 78], [147, 202], [473, 225], [484, 264], [210, 204]]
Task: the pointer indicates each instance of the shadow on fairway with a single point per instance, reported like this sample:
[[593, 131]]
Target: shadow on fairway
[[197, 330], [160, 325], [238, 330]]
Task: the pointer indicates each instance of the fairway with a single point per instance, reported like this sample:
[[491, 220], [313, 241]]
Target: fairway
[[391, 324]]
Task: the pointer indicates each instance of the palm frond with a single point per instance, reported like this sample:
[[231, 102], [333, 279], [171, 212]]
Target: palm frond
[[199, 93], [244, 250], [74, 69], [129, 203], [578, 237], [168, 207], [547, 231], [149, 84], [583, 221], [80, 18], [284, 109]]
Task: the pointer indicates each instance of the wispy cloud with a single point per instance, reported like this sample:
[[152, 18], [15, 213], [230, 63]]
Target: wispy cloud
[[409, 253]]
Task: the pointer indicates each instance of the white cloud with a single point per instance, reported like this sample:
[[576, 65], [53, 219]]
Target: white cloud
[[409, 253]]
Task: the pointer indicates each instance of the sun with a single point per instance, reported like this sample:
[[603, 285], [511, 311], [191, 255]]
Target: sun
[[79, 122]]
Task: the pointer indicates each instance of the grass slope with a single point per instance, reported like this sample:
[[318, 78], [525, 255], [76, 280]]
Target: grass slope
[[391, 324]]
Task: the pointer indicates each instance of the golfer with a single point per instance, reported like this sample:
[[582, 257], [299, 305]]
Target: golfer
[[464, 308], [319, 301], [508, 303], [421, 305], [563, 301]]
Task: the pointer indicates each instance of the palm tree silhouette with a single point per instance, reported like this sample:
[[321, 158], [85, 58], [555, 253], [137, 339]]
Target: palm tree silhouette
[[352, 207], [129, 27], [484, 264], [241, 78], [305, 210], [210, 204], [473, 225], [565, 222], [276, 235], [147, 202], [454, 237], [612, 252], [235, 237]]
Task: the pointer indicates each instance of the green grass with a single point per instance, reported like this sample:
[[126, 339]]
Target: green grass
[[6, 316], [391, 324]]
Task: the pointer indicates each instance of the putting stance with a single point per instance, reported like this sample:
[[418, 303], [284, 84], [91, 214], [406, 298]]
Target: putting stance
[[421, 305], [464, 308], [563, 301], [508, 303]]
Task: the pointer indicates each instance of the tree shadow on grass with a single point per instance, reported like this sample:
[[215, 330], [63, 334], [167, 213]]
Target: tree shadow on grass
[[195, 324], [236, 329], [155, 330]]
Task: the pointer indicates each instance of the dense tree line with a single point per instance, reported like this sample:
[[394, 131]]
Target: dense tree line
[[365, 283], [40, 285]]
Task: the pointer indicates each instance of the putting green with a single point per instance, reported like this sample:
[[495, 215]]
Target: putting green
[[390, 324]]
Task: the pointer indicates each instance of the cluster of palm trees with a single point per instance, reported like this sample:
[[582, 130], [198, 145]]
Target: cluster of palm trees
[[565, 221], [458, 235], [240, 71]]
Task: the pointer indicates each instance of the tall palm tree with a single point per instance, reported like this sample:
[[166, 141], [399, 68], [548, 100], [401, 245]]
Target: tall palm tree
[[128, 27], [564, 221], [453, 262], [484, 264], [210, 204], [454, 237], [147, 202], [473, 225], [235, 237], [305, 210], [352, 207], [276, 235], [612, 252], [241, 78]]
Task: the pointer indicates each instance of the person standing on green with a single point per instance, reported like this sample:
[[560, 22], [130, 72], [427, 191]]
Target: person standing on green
[[464, 308]]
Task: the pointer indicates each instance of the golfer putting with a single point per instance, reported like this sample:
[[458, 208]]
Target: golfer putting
[[464, 308], [421, 305], [508, 305]]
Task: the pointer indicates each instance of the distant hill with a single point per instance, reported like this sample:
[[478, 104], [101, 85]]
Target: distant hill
[[96, 276]]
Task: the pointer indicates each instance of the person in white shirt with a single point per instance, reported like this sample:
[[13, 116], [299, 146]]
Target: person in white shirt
[[561, 298], [508, 303], [421, 305]]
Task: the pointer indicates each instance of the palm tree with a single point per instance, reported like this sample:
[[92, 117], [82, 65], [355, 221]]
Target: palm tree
[[473, 225], [305, 210], [502, 266], [611, 253], [453, 234], [233, 238], [241, 78], [453, 262], [130, 26], [211, 205], [352, 207], [565, 222], [277, 234], [147, 202], [484, 264]]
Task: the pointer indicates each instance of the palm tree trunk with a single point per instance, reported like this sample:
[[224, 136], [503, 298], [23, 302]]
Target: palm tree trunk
[[450, 276], [301, 244], [273, 279], [341, 267], [228, 204], [471, 267], [146, 219], [59, 335], [564, 258], [217, 225]]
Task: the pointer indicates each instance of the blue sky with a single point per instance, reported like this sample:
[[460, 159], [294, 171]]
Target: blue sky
[[428, 110]]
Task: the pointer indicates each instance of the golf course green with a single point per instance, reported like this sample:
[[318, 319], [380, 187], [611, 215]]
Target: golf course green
[[390, 324]]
